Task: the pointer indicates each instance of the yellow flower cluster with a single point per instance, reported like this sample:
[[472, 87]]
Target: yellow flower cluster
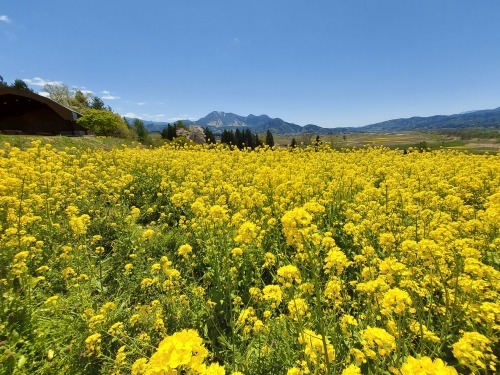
[[298, 309], [185, 250], [182, 351], [336, 260], [273, 294], [93, 344], [288, 274], [426, 366], [395, 301], [377, 342], [106, 255], [474, 351], [296, 226], [315, 345]]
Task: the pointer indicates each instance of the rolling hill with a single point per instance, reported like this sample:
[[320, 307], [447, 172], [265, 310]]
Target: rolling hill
[[218, 121], [489, 118]]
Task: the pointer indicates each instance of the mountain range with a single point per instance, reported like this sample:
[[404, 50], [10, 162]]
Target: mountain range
[[219, 121]]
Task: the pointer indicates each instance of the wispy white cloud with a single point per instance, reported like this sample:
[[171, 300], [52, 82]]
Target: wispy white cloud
[[132, 115], [7, 34], [145, 116], [110, 97], [140, 103], [83, 90], [37, 81], [44, 93], [181, 117], [150, 117], [107, 95]]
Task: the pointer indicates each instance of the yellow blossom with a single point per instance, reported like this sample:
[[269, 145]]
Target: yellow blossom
[[93, 344], [426, 366], [474, 351], [185, 250], [314, 347], [377, 341]]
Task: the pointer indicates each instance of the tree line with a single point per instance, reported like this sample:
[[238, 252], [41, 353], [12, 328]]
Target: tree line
[[237, 138], [241, 138]]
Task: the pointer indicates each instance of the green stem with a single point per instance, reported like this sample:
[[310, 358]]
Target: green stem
[[320, 314]]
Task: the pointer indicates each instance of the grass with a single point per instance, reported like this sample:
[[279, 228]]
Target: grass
[[401, 140], [61, 142]]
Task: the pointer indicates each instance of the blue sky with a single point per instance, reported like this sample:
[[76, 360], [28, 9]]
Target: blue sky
[[326, 62]]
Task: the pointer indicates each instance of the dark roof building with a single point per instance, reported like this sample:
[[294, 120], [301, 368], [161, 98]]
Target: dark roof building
[[24, 112]]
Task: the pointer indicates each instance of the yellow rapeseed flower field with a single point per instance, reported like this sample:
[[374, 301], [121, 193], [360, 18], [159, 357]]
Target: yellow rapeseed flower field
[[204, 260]]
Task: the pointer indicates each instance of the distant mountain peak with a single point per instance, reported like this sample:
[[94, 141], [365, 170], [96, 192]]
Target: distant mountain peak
[[219, 120], [217, 113]]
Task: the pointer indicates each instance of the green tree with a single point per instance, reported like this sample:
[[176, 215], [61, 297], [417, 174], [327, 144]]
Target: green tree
[[423, 146], [209, 135], [317, 143], [17, 84], [294, 143], [180, 125], [169, 132], [269, 138], [228, 137], [79, 102], [248, 138], [20, 85], [102, 122], [164, 131], [140, 129], [256, 141], [240, 138], [97, 103]]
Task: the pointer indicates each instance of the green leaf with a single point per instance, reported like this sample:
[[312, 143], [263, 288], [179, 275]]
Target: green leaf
[[33, 281], [21, 361], [14, 337]]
